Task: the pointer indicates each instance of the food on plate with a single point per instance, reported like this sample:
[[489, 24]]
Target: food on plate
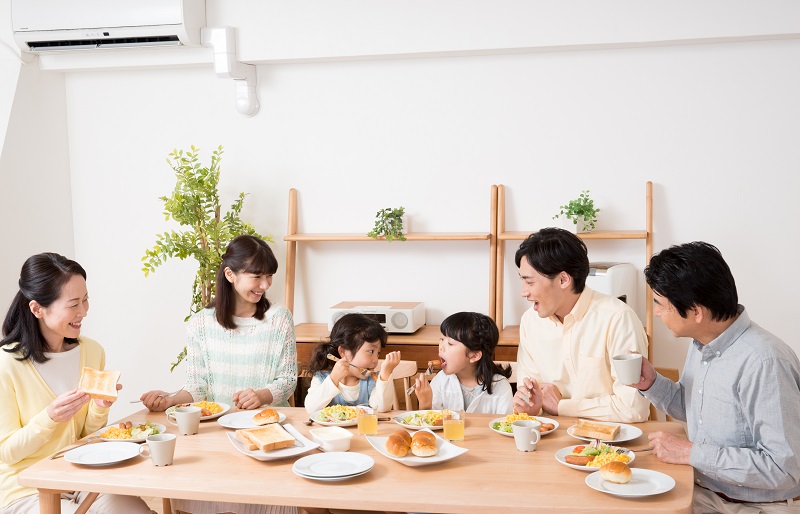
[[423, 444], [399, 443], [337, 414], [505, 425], [101, 385], [595, 430], [430, 418], [266, 416], [617, 472], [130, 431], [246, 442], [596, 455], [208, 408], [267, 438]]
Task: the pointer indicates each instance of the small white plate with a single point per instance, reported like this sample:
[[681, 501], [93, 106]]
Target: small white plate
[[626, 433], [563, 452], [447, 451], [333, 465], [511, 434], [302, 445], [225, 408], [400, 420], [349, 423], [644, 482], [244, 419], [102, 454], [161, 429]]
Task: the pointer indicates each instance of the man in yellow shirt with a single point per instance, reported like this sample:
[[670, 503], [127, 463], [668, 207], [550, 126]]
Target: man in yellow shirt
[[570, 333]]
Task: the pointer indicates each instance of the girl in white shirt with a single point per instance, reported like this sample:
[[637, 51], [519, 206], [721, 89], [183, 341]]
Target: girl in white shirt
[[470, 380], [355, 339]]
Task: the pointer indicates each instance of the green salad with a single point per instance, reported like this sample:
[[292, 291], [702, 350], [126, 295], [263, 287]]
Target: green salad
[[503, 426]]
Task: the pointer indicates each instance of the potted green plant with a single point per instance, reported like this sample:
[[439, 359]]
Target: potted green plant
[[194, 203], [389, 223], [579, 214]]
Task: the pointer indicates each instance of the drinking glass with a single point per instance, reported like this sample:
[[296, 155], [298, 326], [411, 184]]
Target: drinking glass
[[454, 421], [367, 420]]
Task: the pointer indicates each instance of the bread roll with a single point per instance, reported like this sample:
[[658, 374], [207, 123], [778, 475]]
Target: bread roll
[[397, 446], [266, 416], [101, 385], [405, 436], [423, 444], [616, 472]]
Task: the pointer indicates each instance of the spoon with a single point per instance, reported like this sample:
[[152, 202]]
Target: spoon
[[364, 371], [62, 452]]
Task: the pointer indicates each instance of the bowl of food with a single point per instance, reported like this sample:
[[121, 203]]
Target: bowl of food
[[332, 439]]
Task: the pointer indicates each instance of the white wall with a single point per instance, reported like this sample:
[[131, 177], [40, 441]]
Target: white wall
[[714, 126]]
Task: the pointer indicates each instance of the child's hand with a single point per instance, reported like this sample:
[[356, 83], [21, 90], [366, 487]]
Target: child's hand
[[340, 370], [389, 363], [424, 392]]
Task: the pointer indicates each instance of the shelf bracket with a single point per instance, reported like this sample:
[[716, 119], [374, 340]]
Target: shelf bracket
[[226, 65]]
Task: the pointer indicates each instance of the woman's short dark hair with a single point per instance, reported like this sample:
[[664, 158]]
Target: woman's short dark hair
[[41, 279], [694, 274], [553, 250], [478, 333], [350, 331], [245, 254]]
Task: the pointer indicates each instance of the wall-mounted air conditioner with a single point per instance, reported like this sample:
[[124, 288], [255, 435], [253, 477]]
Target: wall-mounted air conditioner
[[50, 25]]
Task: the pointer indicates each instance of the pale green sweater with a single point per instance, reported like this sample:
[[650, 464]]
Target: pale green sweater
[[27, 434], [258, 354]]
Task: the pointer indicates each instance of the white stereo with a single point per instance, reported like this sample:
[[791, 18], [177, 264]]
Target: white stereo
[[395, 317]]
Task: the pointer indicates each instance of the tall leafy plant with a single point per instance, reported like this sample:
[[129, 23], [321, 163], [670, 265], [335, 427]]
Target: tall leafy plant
[[194, 204]]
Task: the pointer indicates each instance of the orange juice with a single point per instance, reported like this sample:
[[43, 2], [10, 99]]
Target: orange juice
[[454, 429], [367, 423]]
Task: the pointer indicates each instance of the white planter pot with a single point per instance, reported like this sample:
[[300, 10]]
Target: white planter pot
[[406, 226], [580, 227]]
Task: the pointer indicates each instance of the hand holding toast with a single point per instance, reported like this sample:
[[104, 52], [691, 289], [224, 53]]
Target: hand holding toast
[[66, 405]]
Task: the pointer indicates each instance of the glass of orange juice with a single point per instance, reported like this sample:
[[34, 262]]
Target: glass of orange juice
[[454, 421], [367, 420]]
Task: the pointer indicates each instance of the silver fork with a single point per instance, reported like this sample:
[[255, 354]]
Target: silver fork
[[428, 372], [62, 452], [165, 395], [363, 371]]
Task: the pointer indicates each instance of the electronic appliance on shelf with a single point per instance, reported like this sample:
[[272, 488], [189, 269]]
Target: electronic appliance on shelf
[[395, 317]]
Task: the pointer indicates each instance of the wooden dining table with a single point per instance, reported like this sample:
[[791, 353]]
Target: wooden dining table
[[492, 476]]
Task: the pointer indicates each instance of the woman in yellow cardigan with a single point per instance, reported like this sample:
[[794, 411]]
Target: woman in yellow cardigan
[[41, 409]]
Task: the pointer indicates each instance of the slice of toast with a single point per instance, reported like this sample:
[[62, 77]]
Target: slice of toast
[[269, 437], [595, 430], [98, 384], [246, 442]]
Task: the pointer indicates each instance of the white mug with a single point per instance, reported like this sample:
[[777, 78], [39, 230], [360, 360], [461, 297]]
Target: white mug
[[160, 448], [526, 434], [628, 367], [187, 419]]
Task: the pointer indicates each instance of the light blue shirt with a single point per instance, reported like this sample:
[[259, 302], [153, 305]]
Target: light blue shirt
[[740, 395]]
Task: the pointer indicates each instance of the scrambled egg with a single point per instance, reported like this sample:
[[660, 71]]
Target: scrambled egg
[[212, 407]]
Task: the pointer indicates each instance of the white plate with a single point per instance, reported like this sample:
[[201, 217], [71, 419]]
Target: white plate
[[626, 433], [161, 429], [399, 421], [349, 423], [301, 446], [644, 482], [563, 452], [333, 465], [225, 408], [511, 434], [332, 479], [102, 454], [244, 419], [447, 451]]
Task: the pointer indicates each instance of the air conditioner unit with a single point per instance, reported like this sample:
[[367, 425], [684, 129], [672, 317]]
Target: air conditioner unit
[[51, 25]]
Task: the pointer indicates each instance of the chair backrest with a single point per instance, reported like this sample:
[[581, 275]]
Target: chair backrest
[[672, 374], [513, 364], [405, 370]]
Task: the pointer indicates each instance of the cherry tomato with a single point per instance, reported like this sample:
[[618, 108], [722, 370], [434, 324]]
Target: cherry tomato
[[578, 449]]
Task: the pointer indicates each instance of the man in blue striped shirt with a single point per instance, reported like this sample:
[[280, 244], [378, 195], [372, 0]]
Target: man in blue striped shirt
[[739, 392]]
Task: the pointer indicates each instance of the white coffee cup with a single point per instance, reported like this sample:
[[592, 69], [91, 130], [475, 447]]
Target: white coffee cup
[[628, 367], [160, 448], [526, 434], [187, 419]]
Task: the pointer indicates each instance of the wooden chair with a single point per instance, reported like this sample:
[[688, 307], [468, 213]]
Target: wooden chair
[[405, 370], [672, 374], [513, 364]]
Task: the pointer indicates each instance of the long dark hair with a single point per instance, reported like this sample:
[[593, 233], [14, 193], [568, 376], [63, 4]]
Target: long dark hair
[[694, 274], [553, 250], [351, 331], [245, 254], [478, 333], [42, 278]]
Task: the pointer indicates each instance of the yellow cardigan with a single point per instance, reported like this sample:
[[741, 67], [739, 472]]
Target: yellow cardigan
[[27, 434]]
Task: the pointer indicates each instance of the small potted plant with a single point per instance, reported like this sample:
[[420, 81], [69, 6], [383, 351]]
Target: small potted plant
[[580, 214], [389, 223]]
